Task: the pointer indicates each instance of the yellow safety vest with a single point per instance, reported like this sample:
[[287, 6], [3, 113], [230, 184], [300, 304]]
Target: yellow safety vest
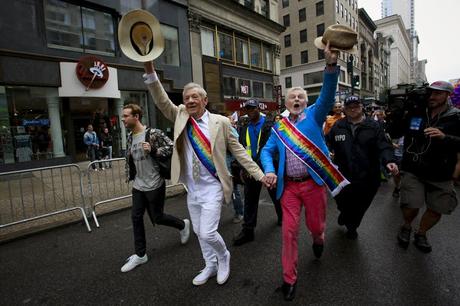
[[248, 142]]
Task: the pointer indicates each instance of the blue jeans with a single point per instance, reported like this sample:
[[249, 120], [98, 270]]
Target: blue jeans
[[237, 202]]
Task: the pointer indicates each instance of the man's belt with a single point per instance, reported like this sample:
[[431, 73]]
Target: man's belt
[[298, 179]]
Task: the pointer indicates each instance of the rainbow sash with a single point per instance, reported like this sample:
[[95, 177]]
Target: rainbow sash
[[312, 156], [201, 146]]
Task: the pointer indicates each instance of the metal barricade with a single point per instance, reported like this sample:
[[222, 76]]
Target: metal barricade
[[33, 194], [107, 183]]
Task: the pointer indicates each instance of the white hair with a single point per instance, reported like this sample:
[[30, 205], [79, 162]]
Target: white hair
[[299, 89], [192, 85]]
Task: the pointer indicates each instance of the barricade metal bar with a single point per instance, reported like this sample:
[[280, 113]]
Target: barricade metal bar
[[51, 214], [25, 196], [43, 189], [11, 200], [63, 189], [22, 198], [104, 202], [33, 194]]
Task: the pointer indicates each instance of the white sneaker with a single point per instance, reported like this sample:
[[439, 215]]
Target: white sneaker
[[223, 269], [204, 275], [133, 261], [185, 233]]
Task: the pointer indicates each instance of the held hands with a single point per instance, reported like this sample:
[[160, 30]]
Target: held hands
[[393, 168], [434, 133], [331, 55], [269, 180]]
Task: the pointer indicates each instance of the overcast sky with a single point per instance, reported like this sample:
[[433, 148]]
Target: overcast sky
[[436, 23]]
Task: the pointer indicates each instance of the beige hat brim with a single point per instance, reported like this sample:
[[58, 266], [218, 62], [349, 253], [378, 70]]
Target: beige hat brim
[[320, 45], [124, 35]]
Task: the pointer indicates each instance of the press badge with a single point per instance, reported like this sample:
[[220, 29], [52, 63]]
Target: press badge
[[415, 123]]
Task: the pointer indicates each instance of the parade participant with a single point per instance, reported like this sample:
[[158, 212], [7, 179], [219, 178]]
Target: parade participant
[[332, 119], [304, 168], [201, 140], [234, 168], [145, 147], [253, 136], [431, 145], [358, 144]]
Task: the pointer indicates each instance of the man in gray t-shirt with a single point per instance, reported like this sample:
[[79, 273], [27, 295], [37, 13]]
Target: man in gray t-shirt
[[144, 148], [147, 171]]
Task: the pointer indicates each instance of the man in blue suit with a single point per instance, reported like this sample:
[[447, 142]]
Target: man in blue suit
[[296, 183]]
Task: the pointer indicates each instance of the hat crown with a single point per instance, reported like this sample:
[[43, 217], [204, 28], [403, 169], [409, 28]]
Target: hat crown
[[340, 36]]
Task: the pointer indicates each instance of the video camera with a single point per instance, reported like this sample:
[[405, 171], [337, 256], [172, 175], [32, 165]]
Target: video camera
[[408, 98]]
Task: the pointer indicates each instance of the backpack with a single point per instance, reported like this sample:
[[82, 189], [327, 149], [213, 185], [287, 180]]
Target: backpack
[[163, 163]]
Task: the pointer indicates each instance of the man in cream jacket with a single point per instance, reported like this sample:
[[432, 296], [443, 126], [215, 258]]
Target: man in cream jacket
[[201, 140]]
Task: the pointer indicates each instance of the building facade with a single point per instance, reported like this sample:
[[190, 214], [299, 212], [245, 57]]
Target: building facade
[[382, 76], [235, 51], [49, 91], [369, 55], [302, 63], [400, 56]]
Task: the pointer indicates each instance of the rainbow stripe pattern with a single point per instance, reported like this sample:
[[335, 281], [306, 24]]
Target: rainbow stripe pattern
[[312, 156], [201, 145]]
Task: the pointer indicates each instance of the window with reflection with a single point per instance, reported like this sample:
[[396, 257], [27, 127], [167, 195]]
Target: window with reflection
[[207, 42], [242, 51], [170, 55], [225, 46], [255, 54]]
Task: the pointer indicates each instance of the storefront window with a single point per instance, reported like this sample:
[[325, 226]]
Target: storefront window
[[229, 86], [24, 124], [258, 89], [170, 54]]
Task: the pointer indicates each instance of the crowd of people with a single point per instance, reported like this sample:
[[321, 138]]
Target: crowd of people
[[327, 147], [99, 147]]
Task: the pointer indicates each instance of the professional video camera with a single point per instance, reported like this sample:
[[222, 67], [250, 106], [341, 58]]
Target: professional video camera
[[408, 97]]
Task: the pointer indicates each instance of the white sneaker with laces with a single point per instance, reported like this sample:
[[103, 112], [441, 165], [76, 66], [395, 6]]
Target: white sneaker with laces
[[185, 233], [223, 269], [133, 261], [204, 275]]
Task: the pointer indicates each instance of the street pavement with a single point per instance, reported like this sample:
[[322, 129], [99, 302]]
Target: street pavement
[[69, 266]]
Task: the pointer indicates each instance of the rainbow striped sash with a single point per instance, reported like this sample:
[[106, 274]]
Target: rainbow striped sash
[[310, 155], [201, 145]]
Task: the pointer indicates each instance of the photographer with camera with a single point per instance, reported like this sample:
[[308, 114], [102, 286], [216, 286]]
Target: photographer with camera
[[431, 142]]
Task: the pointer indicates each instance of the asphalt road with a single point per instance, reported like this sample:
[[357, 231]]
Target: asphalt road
[[68, 266]]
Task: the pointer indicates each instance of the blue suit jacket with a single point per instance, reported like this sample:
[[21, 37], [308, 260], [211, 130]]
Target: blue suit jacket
[[311, 126]]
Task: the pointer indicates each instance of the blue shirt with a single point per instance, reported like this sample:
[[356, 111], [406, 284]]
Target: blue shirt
[[254, 130]]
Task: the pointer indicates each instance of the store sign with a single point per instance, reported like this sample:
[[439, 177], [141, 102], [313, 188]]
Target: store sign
[[92, 72], [38, 122]]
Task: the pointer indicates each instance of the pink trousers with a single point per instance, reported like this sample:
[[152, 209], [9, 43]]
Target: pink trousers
[[314, 198]]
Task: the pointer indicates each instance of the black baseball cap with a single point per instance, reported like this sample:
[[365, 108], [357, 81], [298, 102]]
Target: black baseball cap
[[352, 99]]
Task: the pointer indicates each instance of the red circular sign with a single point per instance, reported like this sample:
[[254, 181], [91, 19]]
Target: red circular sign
[[92, 72]]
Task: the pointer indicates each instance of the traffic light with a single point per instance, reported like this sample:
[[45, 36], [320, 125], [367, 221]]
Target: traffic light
[[350, 64], [355, 81]]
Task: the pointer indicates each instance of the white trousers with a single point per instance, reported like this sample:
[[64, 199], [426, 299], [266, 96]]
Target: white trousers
[[205, 218]]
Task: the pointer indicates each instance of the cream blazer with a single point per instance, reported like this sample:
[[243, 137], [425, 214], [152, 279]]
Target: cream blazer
[[222, 139]]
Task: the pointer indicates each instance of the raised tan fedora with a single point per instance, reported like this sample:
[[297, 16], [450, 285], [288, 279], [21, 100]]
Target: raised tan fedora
[[140, 36], [341, 38]]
